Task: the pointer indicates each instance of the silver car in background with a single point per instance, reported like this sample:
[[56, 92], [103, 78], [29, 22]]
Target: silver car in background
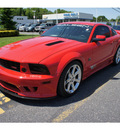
[[23, 27], [44, 26]]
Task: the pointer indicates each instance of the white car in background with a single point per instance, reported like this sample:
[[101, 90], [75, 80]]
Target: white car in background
[[44, 26], [23, 27]]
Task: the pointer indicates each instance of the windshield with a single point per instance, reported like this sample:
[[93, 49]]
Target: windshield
[[70, 31], [116, 27], [27, 25], [33, 25], [43, 24]]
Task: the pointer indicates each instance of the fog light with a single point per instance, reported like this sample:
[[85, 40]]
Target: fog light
[[24, 69]]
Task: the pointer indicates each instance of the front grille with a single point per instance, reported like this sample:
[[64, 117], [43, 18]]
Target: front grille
[[10, 65]]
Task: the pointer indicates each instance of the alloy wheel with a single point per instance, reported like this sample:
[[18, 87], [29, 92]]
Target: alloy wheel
[[117, 59], [72, 79]]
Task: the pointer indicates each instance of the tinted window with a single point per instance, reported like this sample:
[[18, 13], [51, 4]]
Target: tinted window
[[70, 31], [102, 30], [113, 32]]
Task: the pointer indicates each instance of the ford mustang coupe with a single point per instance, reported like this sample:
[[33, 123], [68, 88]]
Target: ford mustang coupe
[[56, 62]]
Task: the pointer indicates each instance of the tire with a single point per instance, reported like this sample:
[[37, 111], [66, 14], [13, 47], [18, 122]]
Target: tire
[[117, 57], [70, 79]]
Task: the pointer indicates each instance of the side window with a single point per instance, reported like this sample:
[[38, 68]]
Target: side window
[[102, 30], [113, 32]]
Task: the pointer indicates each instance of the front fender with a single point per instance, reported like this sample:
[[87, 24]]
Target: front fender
[[66, 59]]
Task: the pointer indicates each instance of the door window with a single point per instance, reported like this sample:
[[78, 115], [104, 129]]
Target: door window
[[102, 30], [113, 32]]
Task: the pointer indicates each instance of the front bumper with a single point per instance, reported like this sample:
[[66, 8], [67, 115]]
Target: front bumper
[[27, 85], [22, 97]]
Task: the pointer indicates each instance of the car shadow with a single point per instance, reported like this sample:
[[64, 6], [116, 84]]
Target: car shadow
[[87, 88]]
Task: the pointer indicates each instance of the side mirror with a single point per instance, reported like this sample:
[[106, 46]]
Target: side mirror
[[99, 38], [42, 31]]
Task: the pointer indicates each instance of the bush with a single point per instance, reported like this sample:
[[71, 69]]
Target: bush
[[2, 28], [9, 33]]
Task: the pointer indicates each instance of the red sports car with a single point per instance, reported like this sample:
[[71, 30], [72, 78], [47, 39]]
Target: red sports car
[[57, 61]]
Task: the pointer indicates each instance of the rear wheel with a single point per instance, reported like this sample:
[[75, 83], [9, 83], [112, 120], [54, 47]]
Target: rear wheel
[[70, 79], [117, 57]]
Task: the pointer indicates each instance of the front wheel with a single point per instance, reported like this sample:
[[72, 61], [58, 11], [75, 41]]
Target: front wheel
[[117, 56], [70, 79]]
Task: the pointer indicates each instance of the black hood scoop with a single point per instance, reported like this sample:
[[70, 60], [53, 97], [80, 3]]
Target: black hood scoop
[[53, 43]]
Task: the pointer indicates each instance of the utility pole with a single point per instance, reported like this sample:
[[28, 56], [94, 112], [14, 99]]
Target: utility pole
[[118, 16], [56, 17], [96, 15], [34, 15]]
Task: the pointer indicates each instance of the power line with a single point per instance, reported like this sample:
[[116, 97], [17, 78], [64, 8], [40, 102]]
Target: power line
[[116, 9]]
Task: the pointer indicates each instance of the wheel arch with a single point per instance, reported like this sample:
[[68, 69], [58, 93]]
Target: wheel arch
[[60, 91], [114, 60], [116, 47], [67, 59]]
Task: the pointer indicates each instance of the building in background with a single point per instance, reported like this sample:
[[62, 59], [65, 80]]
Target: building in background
[[24, 20], [52, 18], [66, 17]]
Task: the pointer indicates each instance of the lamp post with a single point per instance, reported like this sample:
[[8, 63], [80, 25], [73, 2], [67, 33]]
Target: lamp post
[[96, 15], [56, 17], [34, 15]]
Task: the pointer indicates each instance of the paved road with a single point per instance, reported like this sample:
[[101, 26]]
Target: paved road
[[97, 100], [29, 33]]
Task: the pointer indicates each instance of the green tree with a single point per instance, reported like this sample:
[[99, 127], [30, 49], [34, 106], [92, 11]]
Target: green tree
[[108, 23], [112, 20], [94, 19], [118, 20], [40, 11], [7, 19], [102, 19], [29, 13], [62, 11], [18, 11]]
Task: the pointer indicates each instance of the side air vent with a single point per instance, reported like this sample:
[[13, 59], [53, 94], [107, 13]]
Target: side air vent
[[53, 43]]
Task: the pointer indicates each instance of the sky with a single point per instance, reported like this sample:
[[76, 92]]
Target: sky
[[104, 7], [109, 13]]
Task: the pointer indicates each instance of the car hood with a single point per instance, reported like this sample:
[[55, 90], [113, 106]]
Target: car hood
[[34, 50]]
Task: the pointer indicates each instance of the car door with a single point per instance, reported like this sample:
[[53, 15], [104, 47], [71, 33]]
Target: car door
[[101, 50], [115, 38]]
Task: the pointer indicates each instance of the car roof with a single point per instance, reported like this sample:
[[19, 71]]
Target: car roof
[[85, 23]]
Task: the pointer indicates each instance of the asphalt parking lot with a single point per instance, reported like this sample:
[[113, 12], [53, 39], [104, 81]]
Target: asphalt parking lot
[[97, 100]]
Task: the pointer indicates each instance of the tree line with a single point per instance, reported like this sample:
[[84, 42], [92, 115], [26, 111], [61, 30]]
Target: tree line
[[7, 14], [29, 12], [40, 11], [103, 19]]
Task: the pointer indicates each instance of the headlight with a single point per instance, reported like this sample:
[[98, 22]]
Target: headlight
[[39, 69]]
